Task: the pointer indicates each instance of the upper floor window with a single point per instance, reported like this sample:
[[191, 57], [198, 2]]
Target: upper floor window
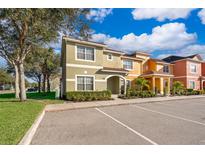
[[166, 69], [85, 53], [109, 57], [85, 83], [127, 64], [193, 68]]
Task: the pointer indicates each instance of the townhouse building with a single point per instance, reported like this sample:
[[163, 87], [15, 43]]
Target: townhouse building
[[189, 70], [91, 66]]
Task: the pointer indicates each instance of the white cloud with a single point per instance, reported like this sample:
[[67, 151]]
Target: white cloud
[[201, 15], [160, 14], [192, 49], [98, 15], [171, 36]]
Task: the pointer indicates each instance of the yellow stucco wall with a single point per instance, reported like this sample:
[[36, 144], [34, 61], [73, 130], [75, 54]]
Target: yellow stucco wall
[[135, 72]]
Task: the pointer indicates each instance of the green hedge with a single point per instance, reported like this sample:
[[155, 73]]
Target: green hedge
[[79, 96], [132, 93], [194, 92]]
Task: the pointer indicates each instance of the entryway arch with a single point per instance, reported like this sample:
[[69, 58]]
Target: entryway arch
[[114, 84]]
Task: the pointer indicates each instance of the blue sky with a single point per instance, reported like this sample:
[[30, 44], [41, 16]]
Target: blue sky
[[160, 32]]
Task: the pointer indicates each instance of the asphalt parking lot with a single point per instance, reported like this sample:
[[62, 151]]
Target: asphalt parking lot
[[173, 122]]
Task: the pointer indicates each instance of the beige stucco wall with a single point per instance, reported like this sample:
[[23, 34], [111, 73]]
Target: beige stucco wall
[[100, 77], [71, 56], [114, 63]]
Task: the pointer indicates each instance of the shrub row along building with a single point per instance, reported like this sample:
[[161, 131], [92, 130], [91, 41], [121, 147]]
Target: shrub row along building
[[91, 66]]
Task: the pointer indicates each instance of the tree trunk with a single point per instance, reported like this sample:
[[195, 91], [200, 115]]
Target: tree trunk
[[16, 82], [39, 83], [48, 83], [22, 82], [44, 82]]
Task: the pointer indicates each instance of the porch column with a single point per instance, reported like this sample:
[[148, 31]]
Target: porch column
[[125, 86], [168, 86], [153, 84], [161, 86]]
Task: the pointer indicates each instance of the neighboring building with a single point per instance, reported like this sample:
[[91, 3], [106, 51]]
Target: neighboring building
[[203, 75], [159, 73], [188, 70], [92, 66]]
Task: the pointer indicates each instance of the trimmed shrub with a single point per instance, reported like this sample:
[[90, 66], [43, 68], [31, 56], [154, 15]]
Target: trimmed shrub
[[132, 93], [79, 96], [194, 92]]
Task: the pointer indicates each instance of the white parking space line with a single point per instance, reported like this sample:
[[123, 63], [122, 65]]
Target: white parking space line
[[169, 115], [129, 128]]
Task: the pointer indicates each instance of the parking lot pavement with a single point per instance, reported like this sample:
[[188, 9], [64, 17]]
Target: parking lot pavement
[[193, 109], [83, 126], [171, 122]]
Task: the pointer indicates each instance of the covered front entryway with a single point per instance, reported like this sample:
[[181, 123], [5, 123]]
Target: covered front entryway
[[116, 84], [115, 80], [159, 84]]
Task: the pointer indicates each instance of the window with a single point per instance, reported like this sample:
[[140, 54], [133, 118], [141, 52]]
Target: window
[[85, 83], [193, 68], [127, 64], [85, 53], [166, 69], [109, 57], [192, 84]]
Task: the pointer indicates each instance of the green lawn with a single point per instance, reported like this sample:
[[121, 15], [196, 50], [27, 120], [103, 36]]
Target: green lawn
[[16, 117]]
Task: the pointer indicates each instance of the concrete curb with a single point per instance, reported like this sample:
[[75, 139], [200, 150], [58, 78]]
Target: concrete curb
[[26, 140], [73, 106]]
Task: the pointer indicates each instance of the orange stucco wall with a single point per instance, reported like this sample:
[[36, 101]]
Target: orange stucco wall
[[180, 68]]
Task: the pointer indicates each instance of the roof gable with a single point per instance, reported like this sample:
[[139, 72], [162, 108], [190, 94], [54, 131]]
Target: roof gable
[[171, 59]]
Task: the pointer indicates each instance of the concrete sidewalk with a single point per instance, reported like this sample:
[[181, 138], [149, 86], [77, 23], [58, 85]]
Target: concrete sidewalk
[[80, 105]]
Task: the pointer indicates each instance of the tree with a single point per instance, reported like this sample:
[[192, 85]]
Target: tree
[[52, 66], [5, 77], [33, 65], [178, 87], [44, 63], [141, 83], [20, 29]]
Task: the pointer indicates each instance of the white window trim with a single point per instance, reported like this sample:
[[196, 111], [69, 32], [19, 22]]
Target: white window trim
[[93, 76], [111, 57], [191, 69], [76, 57], [194, 84], [127, 68]]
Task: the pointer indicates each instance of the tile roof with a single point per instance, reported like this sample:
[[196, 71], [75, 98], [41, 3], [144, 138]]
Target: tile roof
[[175, 58], [158, 60]]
